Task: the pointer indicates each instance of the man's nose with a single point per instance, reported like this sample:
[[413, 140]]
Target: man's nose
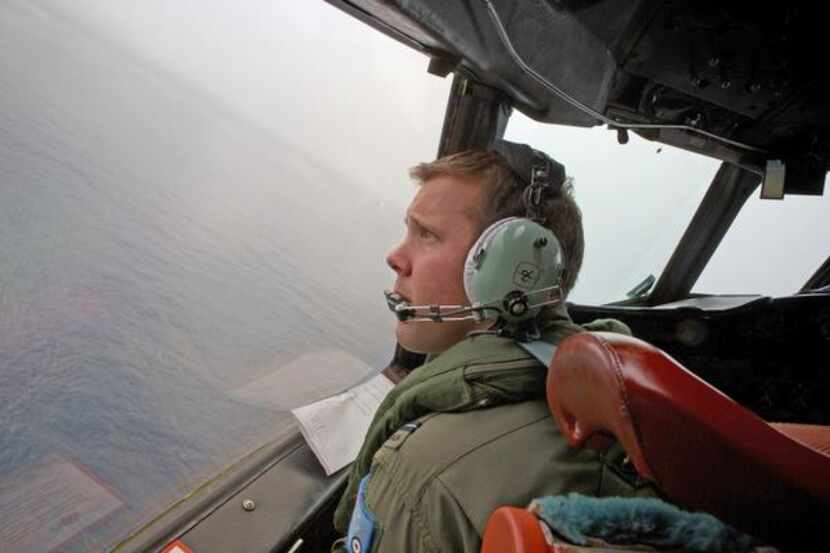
[[398, 261]]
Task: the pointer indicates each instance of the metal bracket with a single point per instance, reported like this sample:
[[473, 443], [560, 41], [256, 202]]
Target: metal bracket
[[772, 188]]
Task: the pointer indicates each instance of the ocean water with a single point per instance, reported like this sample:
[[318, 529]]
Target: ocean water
[[157, 255]]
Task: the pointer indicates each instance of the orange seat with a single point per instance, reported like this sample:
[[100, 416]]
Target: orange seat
[[702, 450], [513, 530]]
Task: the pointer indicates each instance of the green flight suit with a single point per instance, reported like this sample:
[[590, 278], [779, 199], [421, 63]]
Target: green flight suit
[[433, 489], [483, 437]]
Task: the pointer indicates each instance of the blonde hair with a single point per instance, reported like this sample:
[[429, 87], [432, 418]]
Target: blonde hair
[[502, 198]]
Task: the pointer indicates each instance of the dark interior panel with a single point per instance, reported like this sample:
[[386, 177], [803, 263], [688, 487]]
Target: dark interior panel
[[769, 354]]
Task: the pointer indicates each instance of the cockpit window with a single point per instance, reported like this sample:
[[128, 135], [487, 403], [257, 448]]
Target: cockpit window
[[636, 201], [194, 209], [773, 247]]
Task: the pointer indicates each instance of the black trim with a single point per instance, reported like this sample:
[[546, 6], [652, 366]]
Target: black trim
[[376, 23], [389, 29], [820, 279]]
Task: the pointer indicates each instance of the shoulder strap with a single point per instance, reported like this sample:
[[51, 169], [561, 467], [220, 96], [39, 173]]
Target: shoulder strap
[[541, 350]]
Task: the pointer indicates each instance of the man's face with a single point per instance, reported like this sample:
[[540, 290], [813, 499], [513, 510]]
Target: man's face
[[442, 223]]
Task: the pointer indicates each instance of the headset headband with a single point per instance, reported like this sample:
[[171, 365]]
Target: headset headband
[[541, 176]]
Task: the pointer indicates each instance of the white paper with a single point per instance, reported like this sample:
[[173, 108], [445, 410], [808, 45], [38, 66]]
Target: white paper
[[334, 427]]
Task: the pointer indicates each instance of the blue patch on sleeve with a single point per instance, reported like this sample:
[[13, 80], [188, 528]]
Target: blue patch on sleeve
[[362, 525]]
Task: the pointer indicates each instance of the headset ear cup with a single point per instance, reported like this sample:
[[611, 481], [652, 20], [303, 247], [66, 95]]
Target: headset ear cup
[[513, 261], [471, 264]]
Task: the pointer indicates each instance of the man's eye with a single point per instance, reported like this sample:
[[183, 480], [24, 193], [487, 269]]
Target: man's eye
[[424, 234]]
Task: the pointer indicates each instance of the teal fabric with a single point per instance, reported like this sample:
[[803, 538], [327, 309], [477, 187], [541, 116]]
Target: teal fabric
[[643, 521]]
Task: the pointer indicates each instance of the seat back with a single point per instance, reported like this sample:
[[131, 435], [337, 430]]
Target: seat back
[[702, 450], [512, 530]]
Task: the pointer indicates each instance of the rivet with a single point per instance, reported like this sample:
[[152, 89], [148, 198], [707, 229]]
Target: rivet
[[248, 504], [694, 121]]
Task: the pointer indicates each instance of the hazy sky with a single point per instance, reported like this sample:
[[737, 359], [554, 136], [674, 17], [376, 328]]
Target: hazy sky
[[348, 95], [304, 71]]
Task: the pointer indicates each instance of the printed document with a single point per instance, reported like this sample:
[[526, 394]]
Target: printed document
[[334, 427]]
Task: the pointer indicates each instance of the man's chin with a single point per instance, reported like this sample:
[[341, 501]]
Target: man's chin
[[407, 336], [427, 337], [411, 336]]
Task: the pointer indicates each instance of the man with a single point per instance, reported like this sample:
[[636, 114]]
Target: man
[[469, 431]]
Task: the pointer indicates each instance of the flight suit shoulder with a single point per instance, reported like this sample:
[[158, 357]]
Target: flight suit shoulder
[[436, 481], [415, 489]]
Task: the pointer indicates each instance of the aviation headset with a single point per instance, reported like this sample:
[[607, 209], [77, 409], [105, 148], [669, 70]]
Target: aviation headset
[[515, 267]]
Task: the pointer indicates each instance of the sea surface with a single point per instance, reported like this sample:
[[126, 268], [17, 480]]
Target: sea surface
[[159, 259]]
